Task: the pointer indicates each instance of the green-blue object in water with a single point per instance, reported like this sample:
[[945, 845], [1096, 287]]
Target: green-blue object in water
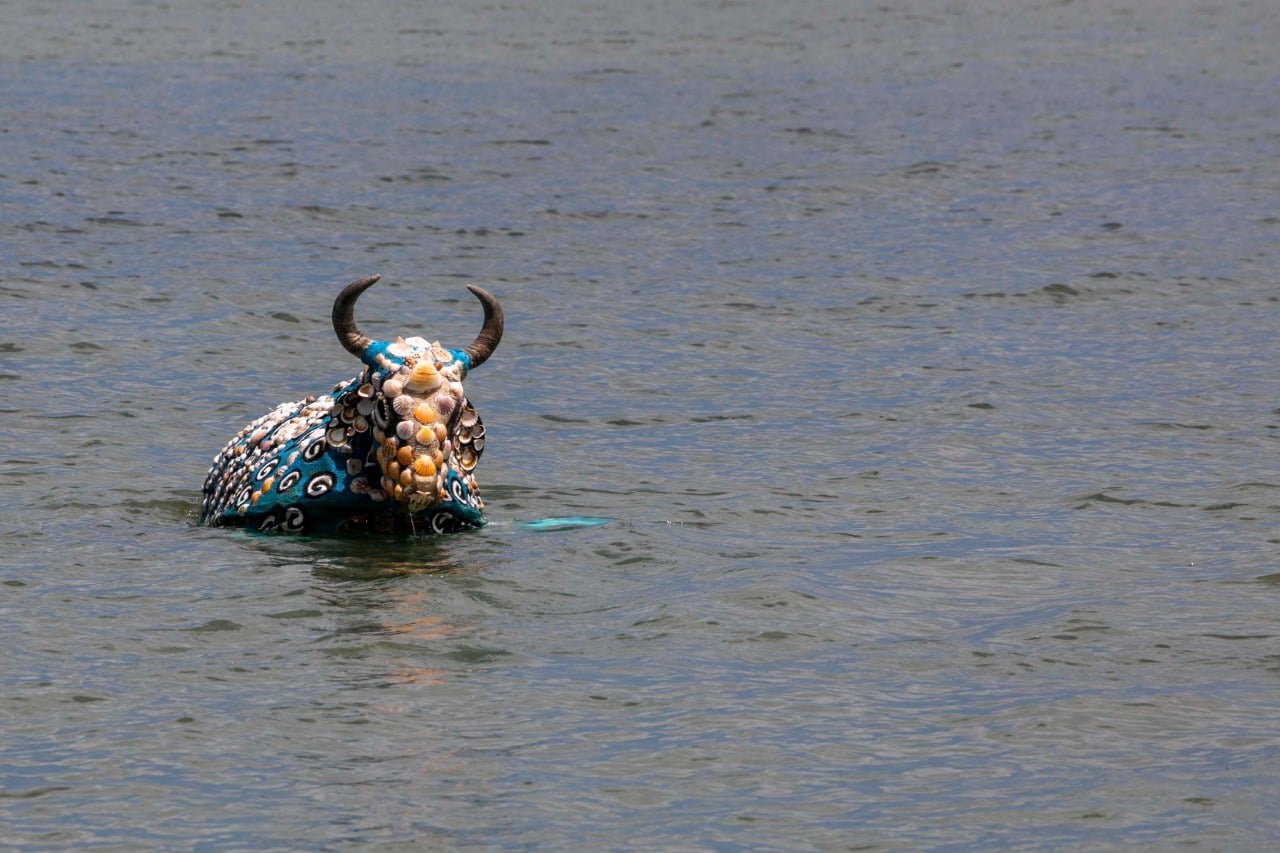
[[566, 522]]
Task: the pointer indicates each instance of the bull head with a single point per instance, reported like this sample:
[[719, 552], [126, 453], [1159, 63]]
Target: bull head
[[394, 449]]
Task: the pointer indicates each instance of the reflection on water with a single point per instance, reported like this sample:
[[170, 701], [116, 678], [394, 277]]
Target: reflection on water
[[920, 364]]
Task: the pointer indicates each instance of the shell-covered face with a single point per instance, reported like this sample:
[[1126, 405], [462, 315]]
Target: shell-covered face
[[423, 424], [393, 449]]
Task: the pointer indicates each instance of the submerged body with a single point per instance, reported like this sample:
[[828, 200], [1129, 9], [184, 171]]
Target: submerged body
[[391, 450]]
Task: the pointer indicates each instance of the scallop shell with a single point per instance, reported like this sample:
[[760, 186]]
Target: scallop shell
[[406, 477], [365, 406], [425, 436], [423, 378], [365, 391], [336, 435], [467, 458], [406, 429], [405, 455], [444, 404], [424, 414], [404, 405], [424, 467], [392, 388]]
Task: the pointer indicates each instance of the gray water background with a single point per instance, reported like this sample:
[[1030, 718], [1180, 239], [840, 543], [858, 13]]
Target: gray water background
[[923, 356]]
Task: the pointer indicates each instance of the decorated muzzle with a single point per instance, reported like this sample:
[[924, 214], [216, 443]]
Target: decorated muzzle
[[393, 449]]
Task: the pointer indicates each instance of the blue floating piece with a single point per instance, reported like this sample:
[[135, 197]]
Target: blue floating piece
[[566, 522]]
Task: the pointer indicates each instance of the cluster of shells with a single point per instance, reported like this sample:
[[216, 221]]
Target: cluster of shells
[[419, 414]]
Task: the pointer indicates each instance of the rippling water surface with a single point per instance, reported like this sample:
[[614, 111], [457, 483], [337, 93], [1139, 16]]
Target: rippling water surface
[[922, 356]]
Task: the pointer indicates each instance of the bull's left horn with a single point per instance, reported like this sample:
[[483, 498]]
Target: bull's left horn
[[491, 333], [344, 318]]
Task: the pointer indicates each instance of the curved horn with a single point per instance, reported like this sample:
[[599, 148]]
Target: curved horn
[[491, 333], [344, 318]]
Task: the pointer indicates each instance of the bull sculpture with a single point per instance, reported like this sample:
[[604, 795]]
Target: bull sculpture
[[393, 450]]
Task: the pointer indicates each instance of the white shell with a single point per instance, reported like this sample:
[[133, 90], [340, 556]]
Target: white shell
[[404, 405]]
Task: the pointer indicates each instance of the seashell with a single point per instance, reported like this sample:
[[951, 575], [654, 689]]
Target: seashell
[[382, 412], [398, 493], [348, 414], [424, 414], [365, 391], [455, 389], [404, 405], [447, 447], [379, 436], [437, 457], [392, 470], [463, 434], [359, 486], [406, 429], [469, 418], [440, 430], [405, 455], [387, 484], [392, 388], [406, 477], [354, 466], [478, 443], [425, 436], [424, 467], [423, 378], [467, 458], [444, 404], [365, 406], [417, 342], [360, 424], [399, 349], [267, 484]]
